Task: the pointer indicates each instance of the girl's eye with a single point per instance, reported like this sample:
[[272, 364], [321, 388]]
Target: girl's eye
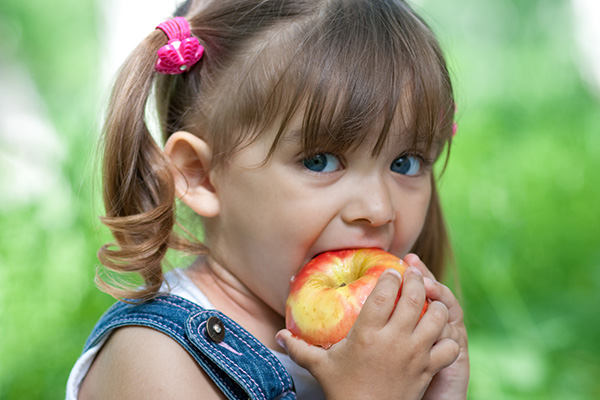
[[322, 162], [406, 165]]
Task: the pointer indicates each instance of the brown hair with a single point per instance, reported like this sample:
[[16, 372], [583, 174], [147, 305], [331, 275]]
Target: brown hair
[[346, 66]]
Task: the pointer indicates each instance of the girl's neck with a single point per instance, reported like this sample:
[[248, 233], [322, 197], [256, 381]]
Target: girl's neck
[[233, 298]]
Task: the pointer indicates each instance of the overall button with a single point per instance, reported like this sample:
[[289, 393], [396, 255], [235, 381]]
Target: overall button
[[215, 329]]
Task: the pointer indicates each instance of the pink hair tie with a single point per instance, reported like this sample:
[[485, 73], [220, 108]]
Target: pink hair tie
[[182, 51]]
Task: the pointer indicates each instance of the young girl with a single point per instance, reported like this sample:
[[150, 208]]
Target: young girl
[[291, 128]]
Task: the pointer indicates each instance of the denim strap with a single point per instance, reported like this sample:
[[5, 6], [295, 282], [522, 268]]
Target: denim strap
[[240, 365]]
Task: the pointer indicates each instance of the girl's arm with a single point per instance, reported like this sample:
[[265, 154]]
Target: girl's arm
[[389, 353], [142, 363]]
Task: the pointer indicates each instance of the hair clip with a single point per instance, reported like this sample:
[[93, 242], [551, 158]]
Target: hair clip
[[182, 50]]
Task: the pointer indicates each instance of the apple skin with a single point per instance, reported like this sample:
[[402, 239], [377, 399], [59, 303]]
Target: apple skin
[[328, 293]]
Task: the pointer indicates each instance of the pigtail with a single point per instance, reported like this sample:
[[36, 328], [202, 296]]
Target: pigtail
[[138, 188]]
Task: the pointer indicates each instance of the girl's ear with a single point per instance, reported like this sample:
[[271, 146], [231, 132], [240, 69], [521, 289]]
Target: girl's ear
[[190, 165]]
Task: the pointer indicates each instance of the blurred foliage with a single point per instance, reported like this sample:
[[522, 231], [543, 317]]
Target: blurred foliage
[[48, 301], [520, 193]]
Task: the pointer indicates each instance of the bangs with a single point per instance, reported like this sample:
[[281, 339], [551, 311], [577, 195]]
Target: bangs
[[361, 73], [361, 70]]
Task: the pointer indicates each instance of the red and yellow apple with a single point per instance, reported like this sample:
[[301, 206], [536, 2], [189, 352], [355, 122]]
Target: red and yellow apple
[[328, 293]]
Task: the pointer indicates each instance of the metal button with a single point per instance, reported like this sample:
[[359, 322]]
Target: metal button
[[215, 329]]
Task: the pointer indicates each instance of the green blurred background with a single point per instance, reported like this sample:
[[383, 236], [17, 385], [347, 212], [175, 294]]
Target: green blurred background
[[520, 194]]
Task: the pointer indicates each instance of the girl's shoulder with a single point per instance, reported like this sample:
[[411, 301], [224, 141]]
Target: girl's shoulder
[[143, 363]]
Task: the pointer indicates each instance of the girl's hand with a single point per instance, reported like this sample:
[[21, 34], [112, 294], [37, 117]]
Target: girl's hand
[[451, 382], [389, 353]]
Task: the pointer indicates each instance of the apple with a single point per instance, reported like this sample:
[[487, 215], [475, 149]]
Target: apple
[[328, 293]]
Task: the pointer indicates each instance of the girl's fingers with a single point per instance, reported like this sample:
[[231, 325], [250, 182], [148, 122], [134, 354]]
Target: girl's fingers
[[379, 305], [440, 292], [433, 324], [414, 261], [444, 353], [301, 352], [412, 299]]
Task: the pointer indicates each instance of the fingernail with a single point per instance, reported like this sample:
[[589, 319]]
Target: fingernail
[[392, 271], [415, 271], [410, 258], [280, 342], [430, 281]]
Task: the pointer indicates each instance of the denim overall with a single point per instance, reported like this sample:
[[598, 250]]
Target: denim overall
[[241, 366]]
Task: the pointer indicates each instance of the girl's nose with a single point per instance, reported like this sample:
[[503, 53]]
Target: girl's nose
[[369, 201]]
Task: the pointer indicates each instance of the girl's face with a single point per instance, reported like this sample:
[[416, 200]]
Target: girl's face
[[277, 215]]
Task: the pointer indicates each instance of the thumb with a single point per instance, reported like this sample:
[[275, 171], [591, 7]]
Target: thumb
[[303, 354]]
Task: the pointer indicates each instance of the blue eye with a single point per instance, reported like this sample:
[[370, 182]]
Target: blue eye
[[406, 165], [322, 162]]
